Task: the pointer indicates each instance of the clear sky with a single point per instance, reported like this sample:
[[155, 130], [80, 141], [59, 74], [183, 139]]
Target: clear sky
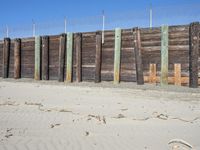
[[20, 13]]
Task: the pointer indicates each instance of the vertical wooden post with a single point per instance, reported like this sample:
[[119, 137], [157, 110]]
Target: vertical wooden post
[[193, 54], [98, 57], [45, 58], [78, 48], [17, 55], [164, 55], [152, 73], [6, 55], [62, 48], [138, 58], [117, 55], [177, 74], [69, 57], [37, 57]]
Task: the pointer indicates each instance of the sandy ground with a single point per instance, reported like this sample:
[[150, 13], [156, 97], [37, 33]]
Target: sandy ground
[[88, 116]]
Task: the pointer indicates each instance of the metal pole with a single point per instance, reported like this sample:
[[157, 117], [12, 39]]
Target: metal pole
[[33, 28], [103, 27], [65, 22], [7, 31], [150, 16]]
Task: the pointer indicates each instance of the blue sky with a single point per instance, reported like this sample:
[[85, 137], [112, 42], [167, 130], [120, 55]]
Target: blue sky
[[20, 13]]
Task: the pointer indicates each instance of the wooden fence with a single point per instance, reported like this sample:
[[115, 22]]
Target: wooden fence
[[166, 55]]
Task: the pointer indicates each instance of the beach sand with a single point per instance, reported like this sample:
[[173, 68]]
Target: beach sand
[[88, 116]]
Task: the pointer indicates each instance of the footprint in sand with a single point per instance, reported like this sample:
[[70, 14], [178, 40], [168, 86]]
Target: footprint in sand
[[54, 125]]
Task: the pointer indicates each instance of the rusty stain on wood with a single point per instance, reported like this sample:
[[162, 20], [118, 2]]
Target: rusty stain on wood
[[152, 73], [177, 74]]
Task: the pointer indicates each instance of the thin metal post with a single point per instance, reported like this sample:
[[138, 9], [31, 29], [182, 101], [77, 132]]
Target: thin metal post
[[65, 22], [33, 26], [103, 27], [7, 31], [150, 17]]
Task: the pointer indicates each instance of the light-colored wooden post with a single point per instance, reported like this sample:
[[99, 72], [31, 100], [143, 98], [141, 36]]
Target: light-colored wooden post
[[177, 74], [117, 55], [152, 73], [164, 55], [37, 57], [69, 57]]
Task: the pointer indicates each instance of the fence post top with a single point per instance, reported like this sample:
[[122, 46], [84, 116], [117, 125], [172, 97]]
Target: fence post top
[[17, 39], [194, 23], [118, 29], [69, 33], [45, 36], [6, 39], [98, 32]]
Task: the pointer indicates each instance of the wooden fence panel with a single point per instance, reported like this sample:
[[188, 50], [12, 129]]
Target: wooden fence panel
[[62, 49], [88, 56], [98, 57], [54, 42], [27, 57], [107, 65], [78, 58], [45, 58], [127, 63], [1, 58]]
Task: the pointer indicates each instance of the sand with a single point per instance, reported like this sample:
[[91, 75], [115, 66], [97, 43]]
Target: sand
[[87, 116]]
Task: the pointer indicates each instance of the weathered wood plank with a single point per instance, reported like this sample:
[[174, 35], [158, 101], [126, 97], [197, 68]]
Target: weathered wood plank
[[177, 74], [37, 58], [62, 47], [45, 58], [98, 57], [117, 55], [138, 58], [6, 55], [164, 55], [152, 73], [78, 48], [69, 57], [17, 58], [193, 54]]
